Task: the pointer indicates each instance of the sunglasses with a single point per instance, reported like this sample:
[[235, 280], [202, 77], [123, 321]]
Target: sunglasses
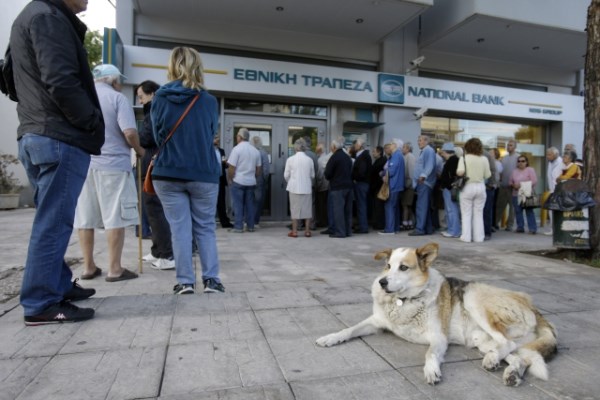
[[522, 161]]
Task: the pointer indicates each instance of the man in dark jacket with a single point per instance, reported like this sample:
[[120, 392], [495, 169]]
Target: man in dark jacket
[[339, 174], [361, 173], [60, 126]]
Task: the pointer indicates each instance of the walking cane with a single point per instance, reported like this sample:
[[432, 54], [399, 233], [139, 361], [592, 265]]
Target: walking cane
[[139, 179]]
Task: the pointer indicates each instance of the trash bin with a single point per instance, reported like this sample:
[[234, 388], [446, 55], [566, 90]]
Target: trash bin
[[570, 205], [571, 229]]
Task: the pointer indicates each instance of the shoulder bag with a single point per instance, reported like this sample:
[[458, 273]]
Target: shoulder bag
[[459, 183], [532, 201], [384, 191], [148, 184]]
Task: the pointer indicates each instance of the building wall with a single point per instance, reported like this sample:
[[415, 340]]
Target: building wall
[[8, 109]]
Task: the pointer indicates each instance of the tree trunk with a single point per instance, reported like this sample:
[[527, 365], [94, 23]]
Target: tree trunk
[[591, 142]]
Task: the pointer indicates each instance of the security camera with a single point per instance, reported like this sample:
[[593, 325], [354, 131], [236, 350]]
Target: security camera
[[420, 112], [417, 61]]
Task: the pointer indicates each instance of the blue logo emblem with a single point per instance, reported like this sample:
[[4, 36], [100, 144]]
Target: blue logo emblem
[[391, 88]]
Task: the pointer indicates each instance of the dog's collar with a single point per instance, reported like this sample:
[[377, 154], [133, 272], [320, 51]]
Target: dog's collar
[[401, 300]]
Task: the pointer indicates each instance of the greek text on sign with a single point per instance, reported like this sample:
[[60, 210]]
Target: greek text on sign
[[254, 75]]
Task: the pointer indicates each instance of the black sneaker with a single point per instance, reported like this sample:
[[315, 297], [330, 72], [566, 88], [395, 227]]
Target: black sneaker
[[78, 293], [183, 288], [212, 286], [58, 313]]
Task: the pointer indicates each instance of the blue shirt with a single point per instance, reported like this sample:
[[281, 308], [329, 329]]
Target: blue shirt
[[396, 172], [425, 167]]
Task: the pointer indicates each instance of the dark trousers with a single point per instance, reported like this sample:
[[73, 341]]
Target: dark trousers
[[341, 201], [361, 194], [161, 232], [488, 211], [222, 207], [322, 216]]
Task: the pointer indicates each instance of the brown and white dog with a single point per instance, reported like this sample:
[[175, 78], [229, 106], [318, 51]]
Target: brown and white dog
[[419, 304]]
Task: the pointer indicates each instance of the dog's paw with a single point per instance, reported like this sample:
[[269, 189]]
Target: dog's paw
[[432, 372], [511, 376], [330, 340], [490, 361]]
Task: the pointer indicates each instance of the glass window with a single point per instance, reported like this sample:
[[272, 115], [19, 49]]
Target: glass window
[[276, 108], [529, 138]]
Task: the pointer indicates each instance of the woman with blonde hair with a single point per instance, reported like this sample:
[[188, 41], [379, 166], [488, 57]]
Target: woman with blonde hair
[[187, 168]]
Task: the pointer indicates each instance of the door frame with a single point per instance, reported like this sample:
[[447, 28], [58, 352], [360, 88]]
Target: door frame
[[279, 210]]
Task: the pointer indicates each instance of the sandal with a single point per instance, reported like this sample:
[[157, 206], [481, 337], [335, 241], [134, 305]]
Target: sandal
[[293, 234], [125, 275], [94, 274], [307, 234]]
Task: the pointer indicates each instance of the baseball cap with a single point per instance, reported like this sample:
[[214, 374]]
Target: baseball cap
[[448, 146], [103, 70]]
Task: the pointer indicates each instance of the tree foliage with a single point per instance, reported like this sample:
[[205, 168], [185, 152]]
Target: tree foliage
[[93, 45], [591, 141]]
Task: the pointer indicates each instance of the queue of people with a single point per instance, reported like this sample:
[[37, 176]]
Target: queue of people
[[76, 136]]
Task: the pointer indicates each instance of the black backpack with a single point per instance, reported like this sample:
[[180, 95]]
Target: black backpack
[[7, 81]]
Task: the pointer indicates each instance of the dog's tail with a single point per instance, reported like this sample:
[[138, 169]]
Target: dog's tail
[[541, 349]]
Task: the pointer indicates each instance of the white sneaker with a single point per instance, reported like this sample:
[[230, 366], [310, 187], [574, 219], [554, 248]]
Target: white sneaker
[[149, 257], [163, 264], [548, 233]]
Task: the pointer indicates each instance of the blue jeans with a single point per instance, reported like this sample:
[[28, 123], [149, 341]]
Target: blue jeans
[[341, 201], [260, 194], [452, 214], [242, 198], [531, 223], [361, 194], [57, 172], [423, 213], [190, 209], [392, 213]]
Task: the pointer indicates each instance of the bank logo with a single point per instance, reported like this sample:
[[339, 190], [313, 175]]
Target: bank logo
[[391, 88]]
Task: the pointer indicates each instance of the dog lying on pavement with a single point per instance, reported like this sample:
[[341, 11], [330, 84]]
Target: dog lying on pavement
[[419, 304]]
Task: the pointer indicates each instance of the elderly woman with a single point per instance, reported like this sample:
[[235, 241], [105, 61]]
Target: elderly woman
[[521, 176], [446, 178], [299, 173], [475, 166], [570, 169]]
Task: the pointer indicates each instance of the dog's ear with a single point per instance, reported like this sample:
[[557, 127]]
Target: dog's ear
[[427, 254], [383, 254]]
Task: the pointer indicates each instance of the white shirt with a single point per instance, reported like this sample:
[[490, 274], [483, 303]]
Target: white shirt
[[245, 158], [118, 117], [554, 170], [299, 173]]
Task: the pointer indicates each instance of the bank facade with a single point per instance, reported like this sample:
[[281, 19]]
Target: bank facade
[[448, 69]]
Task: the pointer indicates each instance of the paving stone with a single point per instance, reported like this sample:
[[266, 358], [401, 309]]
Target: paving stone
[[16, 373], [235, 325], [381, 385], [125, 322], [341, 295], [467, 380], [20, 341], [299, 297], [123, 374], [202, 303], [207, 366], [267, 392], [301, 359]]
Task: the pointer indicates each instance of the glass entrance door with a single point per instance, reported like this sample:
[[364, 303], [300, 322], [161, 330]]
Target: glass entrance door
[[278, 136]]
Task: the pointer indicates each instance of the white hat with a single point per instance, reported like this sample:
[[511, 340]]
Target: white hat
[[102, 70]]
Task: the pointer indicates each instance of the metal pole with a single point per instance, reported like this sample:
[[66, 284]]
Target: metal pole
[[139, 179]]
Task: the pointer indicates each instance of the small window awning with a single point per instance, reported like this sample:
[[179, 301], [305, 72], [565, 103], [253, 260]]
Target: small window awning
[[361, 124]]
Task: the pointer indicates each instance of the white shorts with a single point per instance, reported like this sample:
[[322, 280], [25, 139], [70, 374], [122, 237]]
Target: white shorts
[[108, 200]]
